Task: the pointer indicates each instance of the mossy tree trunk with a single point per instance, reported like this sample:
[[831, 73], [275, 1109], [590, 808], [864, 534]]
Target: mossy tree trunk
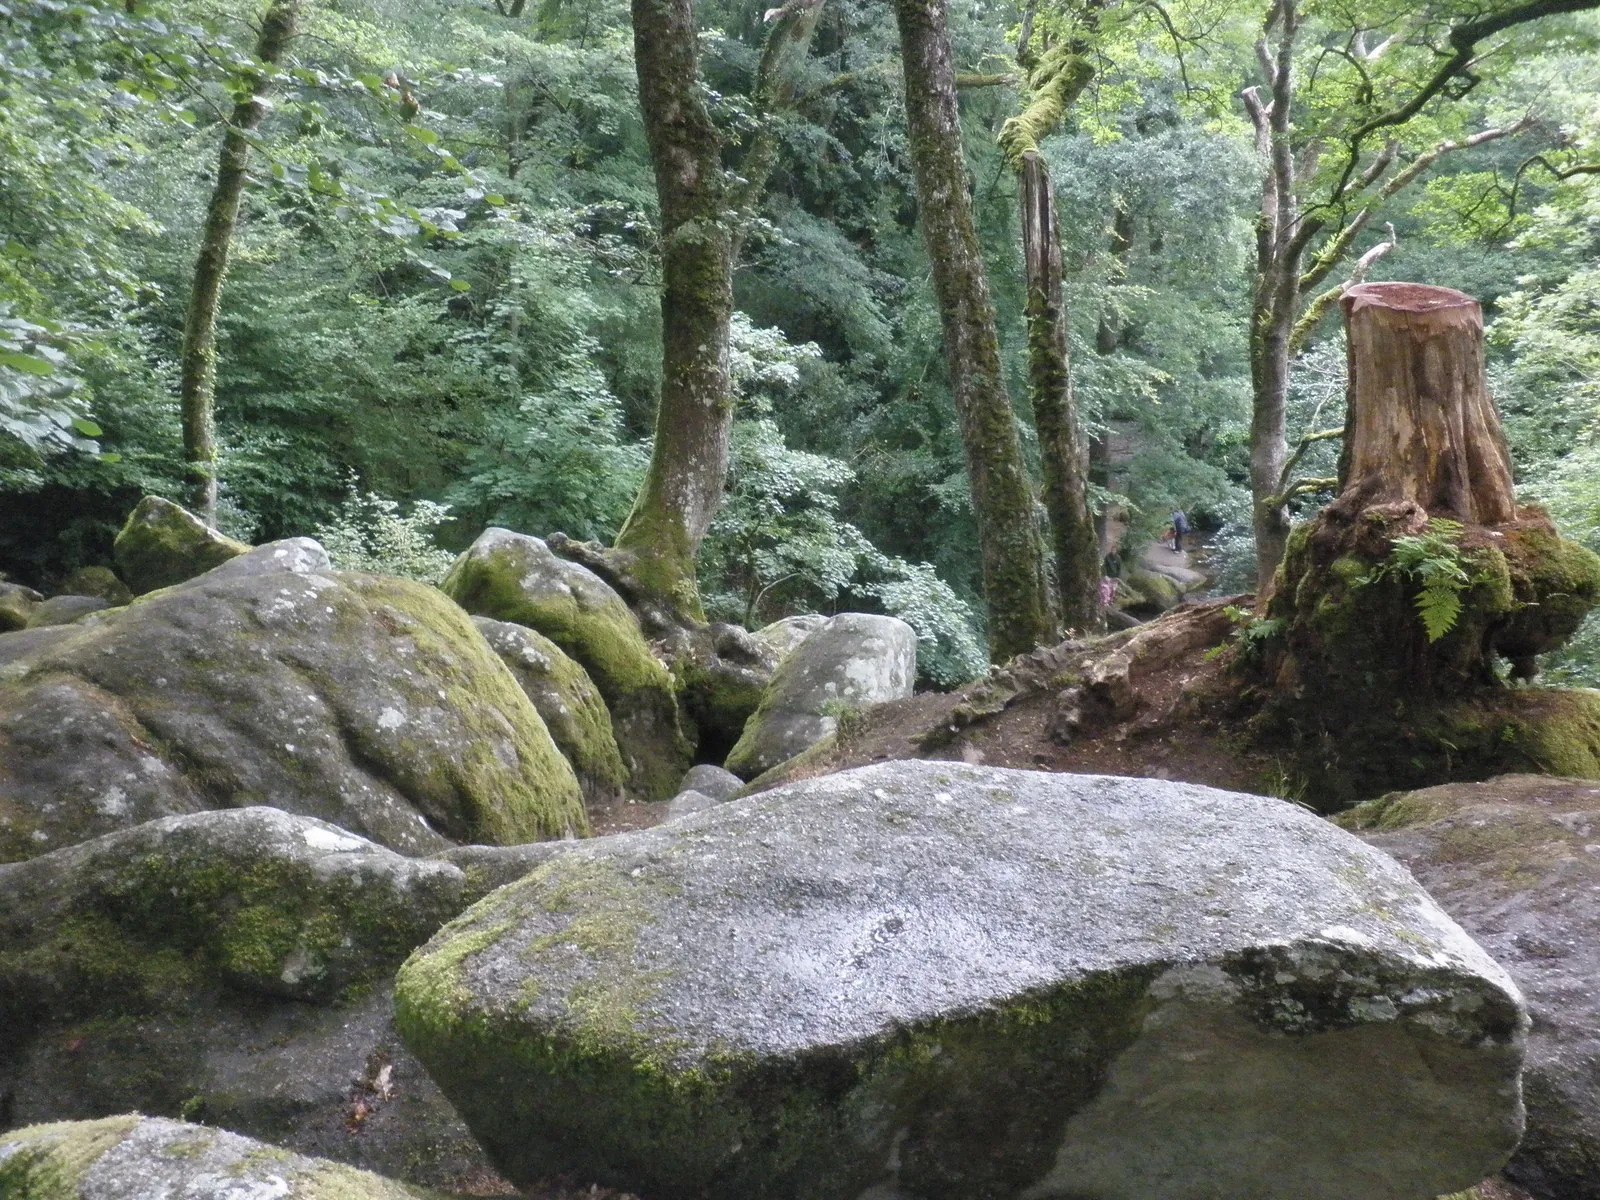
[[1016, 589], [197, 388], [1107, 337], [1420, 425], [689, 459], [700, 247], [1062, 453]]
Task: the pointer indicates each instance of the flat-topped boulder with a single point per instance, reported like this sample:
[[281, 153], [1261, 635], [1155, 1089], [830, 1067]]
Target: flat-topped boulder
[[368, 701], [930, 980], [1516, 860], [513, 577], [139, 1158], [854, 661]]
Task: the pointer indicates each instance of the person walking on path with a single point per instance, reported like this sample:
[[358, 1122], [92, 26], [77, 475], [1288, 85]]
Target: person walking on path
[[1180, 526]]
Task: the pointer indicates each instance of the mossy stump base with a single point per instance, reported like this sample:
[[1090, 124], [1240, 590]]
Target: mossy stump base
[[1370, 702]]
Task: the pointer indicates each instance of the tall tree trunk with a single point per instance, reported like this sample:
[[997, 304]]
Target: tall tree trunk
[[1014, 581], [1420, 425], [1062, 454], [197, 388], [1107, 337], [689, 460]]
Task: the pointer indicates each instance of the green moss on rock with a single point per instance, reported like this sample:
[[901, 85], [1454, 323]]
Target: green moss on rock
[[511, 577], [163, 544], [49, 1161]]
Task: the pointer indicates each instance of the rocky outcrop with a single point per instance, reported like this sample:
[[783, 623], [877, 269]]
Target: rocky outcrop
[[512, 577], [1154, 592], [856, 660], [97, 581], [710, 780], [364, 700], [119, 1158], [567, 701], [234, 967], [16, 605], [163, 544], [1516, 861], [933, 980]]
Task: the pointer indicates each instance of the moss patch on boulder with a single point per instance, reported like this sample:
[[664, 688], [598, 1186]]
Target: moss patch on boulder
[[568, 702], [162, 544], [513, 577]]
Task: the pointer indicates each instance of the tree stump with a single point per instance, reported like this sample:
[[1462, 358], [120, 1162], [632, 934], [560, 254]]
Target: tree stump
[[1420, 424], [1401, 608]]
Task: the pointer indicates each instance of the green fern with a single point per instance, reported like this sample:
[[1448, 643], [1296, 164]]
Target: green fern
[[1433, 559]]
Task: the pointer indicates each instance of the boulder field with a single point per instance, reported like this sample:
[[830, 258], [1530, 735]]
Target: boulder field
[[940, 982], [365, 700]]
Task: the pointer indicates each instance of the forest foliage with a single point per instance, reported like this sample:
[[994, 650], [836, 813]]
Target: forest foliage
[[442, 308]]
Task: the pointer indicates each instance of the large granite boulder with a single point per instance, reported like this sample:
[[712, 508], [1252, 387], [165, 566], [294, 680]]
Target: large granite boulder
[[1516, 861], [512, 577], [567, 701], [856, 660], [133, 1157], [96, 581], [64, 610], [163, 544], [233, 967], [929, 980], [786, 634], [368, 701]]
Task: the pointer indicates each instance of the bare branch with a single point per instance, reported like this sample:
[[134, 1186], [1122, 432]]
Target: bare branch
[[1318, 308]]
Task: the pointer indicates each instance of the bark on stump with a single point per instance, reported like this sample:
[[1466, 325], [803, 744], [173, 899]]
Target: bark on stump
[[1421, 426], [1371, 694]]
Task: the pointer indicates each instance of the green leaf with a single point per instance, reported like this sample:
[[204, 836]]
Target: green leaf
[[87, 427], [460, 285], [494, 198], [30, 363]]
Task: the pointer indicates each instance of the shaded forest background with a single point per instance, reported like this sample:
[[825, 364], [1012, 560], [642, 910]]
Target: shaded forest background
[[442, 310]]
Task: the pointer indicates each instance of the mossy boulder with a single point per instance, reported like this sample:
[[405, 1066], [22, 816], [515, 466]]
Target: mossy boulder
[[364, 700], [1153, 592], [786, 634], [512, 577], [233, 966], [16, 605], [97, 581], [1515, 861], [163, 544], [856, 660], [119, 1158], [568, 702], [934, 980], [64, 610]]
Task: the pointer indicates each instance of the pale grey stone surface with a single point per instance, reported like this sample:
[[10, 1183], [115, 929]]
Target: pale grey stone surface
[[943, 981], [854, 661], [711, 780]]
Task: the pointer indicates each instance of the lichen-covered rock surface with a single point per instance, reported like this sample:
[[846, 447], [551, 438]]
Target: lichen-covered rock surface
[[946, 982], [513, 577], [568, 702], [367, 701], [163, 544], [856, 660], [64, 610], [233, 966], [1516, 860], [142, 1158], [16, 605], [784, 635]]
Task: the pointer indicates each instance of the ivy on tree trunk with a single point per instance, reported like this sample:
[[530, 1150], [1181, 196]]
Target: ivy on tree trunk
[[1014, 577], [197, 387]]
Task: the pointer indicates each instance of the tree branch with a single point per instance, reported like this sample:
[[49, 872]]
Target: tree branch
[[1317, 309]]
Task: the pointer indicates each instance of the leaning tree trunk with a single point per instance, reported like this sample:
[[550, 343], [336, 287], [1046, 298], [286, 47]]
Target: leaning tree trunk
[[689, 459], [1107, 337], [197, 387], [1062, 455], [1420, 425], [1398, 598], [1014, 580]]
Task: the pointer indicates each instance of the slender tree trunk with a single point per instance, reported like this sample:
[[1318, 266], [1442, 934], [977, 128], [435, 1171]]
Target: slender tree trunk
[[197, 387], [1014, 580], [1420, 425], [1107, 337], [1062, 455], [689, 460]]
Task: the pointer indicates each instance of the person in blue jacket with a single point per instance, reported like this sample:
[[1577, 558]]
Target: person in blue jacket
[[1180, 526]]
